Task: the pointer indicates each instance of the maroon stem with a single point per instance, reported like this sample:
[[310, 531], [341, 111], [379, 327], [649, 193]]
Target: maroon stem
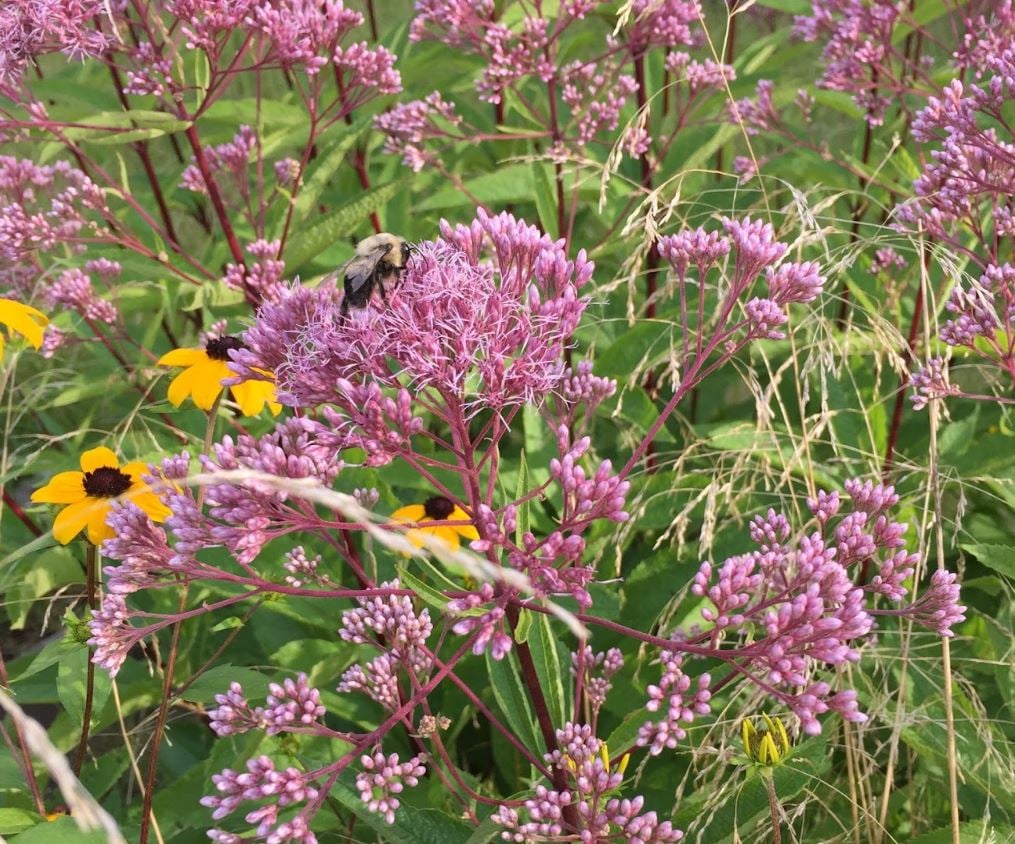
[[21, 515], [201, 160], [652, 273], [86, 719], [531, 679], [141, 148], [26, 759], [858, 208], [900, 396]]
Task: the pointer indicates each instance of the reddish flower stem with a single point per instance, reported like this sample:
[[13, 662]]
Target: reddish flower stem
[[535, 690], [25, 761], [900, 396], [21, 515], [201, 160]]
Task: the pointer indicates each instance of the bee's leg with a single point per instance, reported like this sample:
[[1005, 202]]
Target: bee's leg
[[344, 310], [384, 293]]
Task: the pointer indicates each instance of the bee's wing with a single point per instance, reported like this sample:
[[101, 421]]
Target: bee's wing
[[360, 268]]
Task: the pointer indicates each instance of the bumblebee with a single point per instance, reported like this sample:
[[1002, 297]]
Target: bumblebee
[[380, 258]]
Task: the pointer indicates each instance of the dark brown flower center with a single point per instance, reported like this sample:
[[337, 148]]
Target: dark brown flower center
[[106, 482], [438, 508], [218, 348]]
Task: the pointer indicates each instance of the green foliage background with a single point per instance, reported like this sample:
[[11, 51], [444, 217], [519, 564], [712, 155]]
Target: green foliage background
[[788, 417]]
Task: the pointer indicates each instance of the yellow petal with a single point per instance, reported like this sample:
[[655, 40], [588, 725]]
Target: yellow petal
[[63, 488], [98, 530], [208, 382], [72, 519], [410, 513], [183, 357], [415, 537], [468, 531], [96, 458], [448, 535], [135, 470], [182, 386], [24, 319], [747, 731], [251, 396], [150, 503]]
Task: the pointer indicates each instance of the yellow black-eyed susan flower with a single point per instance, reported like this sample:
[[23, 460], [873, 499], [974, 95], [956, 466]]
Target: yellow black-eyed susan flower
[[22, 319], [436, 509], [768, 746], [206, 369], [88, 495]]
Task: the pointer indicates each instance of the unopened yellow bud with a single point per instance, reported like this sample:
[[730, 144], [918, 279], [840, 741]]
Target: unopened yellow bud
[[766, 747]]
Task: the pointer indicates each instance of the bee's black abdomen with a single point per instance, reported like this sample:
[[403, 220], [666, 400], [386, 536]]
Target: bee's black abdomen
[[357, 294]]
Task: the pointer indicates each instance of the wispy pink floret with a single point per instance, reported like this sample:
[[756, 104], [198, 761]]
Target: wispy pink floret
[[490, 332], [302, 32], [29, 28]]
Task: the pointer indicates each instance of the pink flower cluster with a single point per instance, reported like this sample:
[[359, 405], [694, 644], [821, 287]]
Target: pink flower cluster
[[489, 333], [592, 798], [798, 598], [30, 28]]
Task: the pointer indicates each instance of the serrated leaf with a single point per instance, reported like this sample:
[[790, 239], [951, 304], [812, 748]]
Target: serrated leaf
[[342, 222]]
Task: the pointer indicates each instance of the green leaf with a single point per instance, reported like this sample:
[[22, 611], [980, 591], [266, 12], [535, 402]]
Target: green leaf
[[427, 593], [523, 626], [411, 826], [512, 183], [509, 691], [794, 7], [60, 831], [216, 680], [548, 661], [545, 196], [72, 681], [16, 820], [121, 127], [970, 832], [489, 830], [523, 511], [342, 222], [326, 165], [1001, 558], [626, 732]]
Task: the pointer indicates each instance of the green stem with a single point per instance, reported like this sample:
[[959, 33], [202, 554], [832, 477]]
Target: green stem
[[91, 566]]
